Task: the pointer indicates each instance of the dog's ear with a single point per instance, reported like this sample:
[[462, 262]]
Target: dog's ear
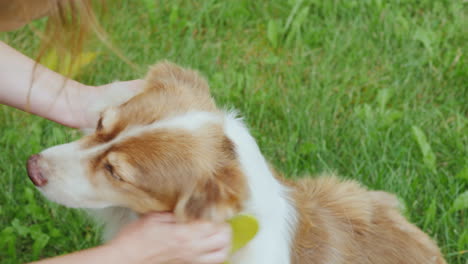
[[217, 196], [168, 75]]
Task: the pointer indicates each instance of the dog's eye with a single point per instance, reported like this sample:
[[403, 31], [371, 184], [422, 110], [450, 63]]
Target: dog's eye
[[99, 124], [112, 172]]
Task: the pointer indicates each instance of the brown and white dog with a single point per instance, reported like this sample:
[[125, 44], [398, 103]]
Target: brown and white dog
[[170, 148]]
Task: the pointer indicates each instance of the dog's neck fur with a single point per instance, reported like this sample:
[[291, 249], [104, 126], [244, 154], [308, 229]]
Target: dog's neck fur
[[269, 202]]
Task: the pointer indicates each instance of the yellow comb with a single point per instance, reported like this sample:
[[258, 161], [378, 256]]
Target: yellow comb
[[244, 228]]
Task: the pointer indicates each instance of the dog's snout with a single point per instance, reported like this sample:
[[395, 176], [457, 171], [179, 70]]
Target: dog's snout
[[34, 171]]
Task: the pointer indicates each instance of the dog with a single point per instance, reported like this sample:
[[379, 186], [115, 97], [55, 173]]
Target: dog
[[170, 148]]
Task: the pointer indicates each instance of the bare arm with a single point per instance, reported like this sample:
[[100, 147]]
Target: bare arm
[[51, 95], [157, 239], [97, 255], [48, 97]]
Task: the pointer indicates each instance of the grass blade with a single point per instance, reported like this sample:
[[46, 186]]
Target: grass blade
[[461, 202], [429, 157]]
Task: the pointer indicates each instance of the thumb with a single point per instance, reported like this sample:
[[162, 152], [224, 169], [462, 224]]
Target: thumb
[[160, 217]]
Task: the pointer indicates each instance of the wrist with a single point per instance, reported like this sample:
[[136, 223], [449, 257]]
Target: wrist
[[71, 107], [89, 97], [116, 254]]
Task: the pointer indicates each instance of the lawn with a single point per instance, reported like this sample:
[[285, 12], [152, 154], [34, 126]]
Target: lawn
[[374, 90]]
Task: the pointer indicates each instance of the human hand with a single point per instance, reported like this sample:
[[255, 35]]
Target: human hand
[[52, 95], [158, 239], [96, 98]]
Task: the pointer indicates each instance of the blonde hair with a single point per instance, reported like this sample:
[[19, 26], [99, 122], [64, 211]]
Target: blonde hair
[[69, 26]]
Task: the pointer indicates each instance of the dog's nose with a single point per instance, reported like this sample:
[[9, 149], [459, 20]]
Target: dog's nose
[[34, 171]]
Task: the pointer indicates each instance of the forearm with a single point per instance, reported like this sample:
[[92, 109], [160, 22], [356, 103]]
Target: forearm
[[40, 91], [97, 255]]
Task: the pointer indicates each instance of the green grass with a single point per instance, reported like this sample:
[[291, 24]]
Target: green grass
[[374, 90]]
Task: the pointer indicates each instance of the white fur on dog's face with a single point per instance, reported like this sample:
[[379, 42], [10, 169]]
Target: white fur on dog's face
[[67, 181], [163, 150]]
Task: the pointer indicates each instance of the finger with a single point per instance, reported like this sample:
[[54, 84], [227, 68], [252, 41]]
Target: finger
[[160, 217], [215, 257], [135, 85], [220, 240], [212, 229], [200, 230]]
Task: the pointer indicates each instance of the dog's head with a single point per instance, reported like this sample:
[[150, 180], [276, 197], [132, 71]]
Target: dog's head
[[164, 149]]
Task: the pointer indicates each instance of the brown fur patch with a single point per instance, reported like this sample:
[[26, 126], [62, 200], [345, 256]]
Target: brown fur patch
[[216, 198], [341, 222]]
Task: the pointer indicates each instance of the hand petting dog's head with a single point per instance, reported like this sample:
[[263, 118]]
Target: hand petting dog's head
[[163, 150]]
